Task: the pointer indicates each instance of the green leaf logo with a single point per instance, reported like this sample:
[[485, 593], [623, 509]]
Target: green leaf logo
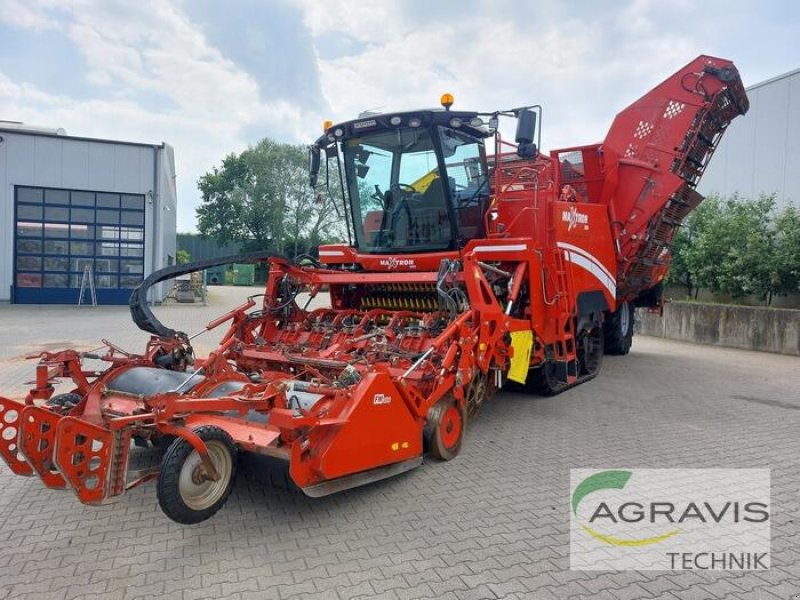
[[610, 480], [604, 480]]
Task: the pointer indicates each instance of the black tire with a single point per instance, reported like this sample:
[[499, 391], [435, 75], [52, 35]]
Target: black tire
[[267, 471], [178, 477], [444, 430], [618, 330], [162, 443]]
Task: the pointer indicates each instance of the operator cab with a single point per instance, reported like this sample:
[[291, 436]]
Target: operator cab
[[412, 181]]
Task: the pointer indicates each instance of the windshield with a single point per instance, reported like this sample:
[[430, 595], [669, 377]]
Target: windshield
[[399, 201], [396, 193]]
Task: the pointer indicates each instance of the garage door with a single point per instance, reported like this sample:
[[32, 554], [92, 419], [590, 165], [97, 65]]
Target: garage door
[[60, 232]]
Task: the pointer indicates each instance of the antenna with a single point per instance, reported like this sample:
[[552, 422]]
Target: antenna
[[371, 112]]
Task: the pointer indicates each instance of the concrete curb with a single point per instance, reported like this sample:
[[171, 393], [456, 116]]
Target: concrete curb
[[750, 328]]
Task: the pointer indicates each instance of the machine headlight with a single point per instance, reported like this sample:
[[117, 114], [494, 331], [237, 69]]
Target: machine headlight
[[414, 122], [396, 120], [455, 122]]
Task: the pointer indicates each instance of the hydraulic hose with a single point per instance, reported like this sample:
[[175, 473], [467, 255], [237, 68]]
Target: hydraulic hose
[[140, 311]]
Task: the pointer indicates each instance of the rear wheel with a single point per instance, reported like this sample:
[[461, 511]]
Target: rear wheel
[[444, 430], [185, 492], [618, 330]]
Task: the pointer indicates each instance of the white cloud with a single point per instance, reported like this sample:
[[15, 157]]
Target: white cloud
[[370, 21], [28, 15], [583, 63], [203, 102], [152, 74]]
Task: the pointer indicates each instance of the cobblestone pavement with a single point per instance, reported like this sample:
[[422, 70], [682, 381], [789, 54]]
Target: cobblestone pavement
[[491, 524]]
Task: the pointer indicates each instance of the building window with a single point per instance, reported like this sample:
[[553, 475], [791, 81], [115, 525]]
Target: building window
[[60, 232]]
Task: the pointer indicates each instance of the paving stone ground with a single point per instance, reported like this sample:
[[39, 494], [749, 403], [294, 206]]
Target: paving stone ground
[[493, 523]]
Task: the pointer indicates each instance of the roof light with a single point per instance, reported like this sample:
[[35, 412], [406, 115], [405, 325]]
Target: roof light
[[339, 132], [414, 122], [447, 100], [476, 122], [326, 124], [396, 120], [455, 122]]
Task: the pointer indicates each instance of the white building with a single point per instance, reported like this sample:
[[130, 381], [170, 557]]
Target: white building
[[72, 205], [760, 152]]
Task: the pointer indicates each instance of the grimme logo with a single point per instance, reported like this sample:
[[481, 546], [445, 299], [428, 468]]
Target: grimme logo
[[573, 218], [670, 519], [393, 262]]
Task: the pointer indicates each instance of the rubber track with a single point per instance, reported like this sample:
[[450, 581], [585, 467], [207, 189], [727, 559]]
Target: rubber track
[[580, 380]]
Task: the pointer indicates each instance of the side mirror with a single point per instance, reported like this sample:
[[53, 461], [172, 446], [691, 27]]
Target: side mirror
[[313, 165], [361, 171], [526, 133]]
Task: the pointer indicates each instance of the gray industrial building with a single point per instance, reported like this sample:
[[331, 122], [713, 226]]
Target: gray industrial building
[[75, 208], [760, 152]]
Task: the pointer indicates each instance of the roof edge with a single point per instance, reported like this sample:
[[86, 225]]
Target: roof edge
[[77, 138], [773, 80]]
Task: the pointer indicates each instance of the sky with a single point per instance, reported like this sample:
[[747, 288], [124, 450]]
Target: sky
[[211, 78]]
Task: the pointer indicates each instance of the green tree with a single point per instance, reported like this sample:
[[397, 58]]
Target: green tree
[[261, 198], [747, 236], [787, 250], [686, 268], [696, 251], [733, 246], [182, 257]]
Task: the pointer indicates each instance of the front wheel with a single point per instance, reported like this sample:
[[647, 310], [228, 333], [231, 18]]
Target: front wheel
[[618, 330], [185, 492], [444, 430]]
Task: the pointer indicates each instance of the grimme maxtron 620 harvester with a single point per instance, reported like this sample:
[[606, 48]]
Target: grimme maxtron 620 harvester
[[463, 271]]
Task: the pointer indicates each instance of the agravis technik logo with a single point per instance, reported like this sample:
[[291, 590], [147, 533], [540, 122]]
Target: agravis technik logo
[[715, 519]]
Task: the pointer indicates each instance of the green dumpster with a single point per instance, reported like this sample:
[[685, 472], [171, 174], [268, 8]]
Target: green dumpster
[[244, 274]]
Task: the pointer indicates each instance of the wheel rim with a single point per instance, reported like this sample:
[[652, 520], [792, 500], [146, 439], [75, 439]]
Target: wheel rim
[[451, 427], [198, 492], [624, 318]]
